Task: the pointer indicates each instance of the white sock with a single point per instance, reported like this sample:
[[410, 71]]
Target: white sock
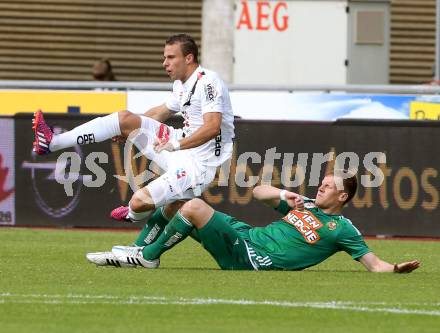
[[96, 130], [139, 216]]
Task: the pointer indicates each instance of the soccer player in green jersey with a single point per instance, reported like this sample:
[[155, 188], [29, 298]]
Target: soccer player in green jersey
[[309, 232]]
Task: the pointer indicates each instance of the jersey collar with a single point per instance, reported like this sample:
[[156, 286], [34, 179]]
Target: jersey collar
[[192, 79]]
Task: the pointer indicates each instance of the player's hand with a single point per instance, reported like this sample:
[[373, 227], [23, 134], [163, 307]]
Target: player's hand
[[162, 140], [406, 267], [295, 200], [119, 139], [299, 203], [159, 145]]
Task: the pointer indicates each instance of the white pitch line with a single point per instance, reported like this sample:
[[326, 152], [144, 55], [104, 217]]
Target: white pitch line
[[160, 300]]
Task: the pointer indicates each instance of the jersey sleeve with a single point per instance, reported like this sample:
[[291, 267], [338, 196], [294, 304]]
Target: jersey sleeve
[[211, 95], [283, 207], [350, 240], [172, 102]]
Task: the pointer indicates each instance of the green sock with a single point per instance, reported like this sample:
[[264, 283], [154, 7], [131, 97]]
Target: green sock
[[175, 231], [154, 227]]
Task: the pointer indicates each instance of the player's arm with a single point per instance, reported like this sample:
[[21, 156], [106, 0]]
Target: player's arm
[[272, 196], [159, 113], [209, 130], [374, 264]]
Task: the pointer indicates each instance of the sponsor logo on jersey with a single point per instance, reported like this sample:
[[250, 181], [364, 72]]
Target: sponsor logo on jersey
[[210, 92], [306, 223], [218, 144]]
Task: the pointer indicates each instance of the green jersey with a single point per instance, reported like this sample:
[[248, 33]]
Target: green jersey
[[303, 238]]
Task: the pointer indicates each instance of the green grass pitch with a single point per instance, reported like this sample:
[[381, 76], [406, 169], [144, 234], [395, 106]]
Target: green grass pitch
[[46, 285]]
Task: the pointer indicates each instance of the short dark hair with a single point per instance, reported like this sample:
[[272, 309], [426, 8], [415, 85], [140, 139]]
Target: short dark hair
[[105, 75], [187, 45], [349, 181]]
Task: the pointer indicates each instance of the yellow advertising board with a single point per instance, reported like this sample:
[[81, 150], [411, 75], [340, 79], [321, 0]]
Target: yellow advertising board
[[13, 101], [424, 110]]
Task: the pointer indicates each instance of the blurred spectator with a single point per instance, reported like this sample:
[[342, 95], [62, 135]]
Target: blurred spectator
[[102, 71]]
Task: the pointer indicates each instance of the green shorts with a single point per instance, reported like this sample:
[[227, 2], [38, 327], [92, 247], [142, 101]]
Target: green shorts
[[224, 237]]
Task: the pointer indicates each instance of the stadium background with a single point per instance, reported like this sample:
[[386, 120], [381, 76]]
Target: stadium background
[[305, 77], [43, 40], [59, 40]]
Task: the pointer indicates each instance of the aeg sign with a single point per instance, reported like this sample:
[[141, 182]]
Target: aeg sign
[[263, 15]]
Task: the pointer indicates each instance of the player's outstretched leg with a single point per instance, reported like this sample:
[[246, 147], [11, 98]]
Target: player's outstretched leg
[[177, 230], [43, 134], [96, 130], [148, 257], [152, 229], [133, 255], [139, 208], [149, 233], [107, 259], [157, 223]]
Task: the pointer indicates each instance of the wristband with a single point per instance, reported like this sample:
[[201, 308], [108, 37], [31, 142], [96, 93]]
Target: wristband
[[283, 195], [396, 268], [175, 144]]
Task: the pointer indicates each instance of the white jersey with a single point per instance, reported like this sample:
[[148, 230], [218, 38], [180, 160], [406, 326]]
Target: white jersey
[[204, 92]]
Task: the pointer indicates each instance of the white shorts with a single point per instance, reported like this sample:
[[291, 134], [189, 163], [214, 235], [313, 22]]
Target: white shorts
[[184, 175]]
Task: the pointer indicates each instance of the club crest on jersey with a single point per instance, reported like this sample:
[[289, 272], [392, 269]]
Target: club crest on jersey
[[306, 223], [180, 173], [331, 225]]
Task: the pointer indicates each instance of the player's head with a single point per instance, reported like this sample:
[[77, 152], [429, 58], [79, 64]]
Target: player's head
[[336, 189], [180, 56], [102, 70]]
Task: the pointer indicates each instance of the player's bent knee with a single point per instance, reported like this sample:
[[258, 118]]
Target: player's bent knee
[[128, 122], [194, 209], [123, 116], [141, 201]]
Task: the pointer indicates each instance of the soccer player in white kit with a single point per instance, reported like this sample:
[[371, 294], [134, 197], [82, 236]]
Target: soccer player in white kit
[[188, 156]]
